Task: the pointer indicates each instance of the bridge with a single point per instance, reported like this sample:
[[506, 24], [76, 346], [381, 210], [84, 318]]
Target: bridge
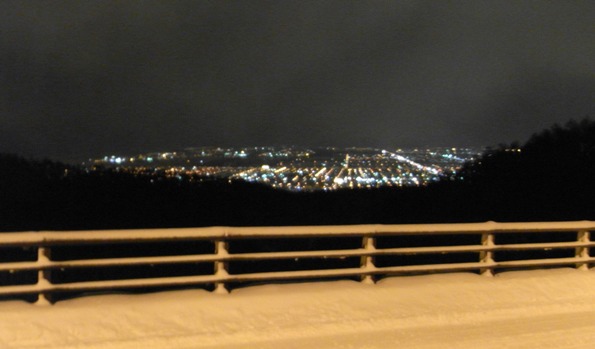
[[48, 265]]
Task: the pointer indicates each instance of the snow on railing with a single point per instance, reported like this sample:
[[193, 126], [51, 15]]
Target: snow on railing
[[366, 254]]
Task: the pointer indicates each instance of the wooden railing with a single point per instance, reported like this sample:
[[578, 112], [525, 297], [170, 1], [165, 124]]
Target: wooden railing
[[370, 246]]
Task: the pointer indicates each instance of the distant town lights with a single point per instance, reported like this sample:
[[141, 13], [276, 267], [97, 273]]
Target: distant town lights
[[294, 168]]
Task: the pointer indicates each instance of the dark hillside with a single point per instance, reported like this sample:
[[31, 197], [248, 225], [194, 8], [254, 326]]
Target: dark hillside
[[551, 178]]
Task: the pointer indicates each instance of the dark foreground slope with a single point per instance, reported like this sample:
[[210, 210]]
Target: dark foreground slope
[[552, 178]]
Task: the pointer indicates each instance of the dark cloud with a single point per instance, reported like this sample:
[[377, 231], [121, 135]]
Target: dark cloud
[[83, 79]]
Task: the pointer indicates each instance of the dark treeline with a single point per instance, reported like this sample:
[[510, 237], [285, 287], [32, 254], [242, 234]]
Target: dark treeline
[[552, 178]]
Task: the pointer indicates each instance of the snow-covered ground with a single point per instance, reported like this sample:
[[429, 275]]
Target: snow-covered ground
[[528, 309]]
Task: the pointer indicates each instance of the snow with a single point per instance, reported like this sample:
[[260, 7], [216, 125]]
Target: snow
[[215, 232], [524, 309]]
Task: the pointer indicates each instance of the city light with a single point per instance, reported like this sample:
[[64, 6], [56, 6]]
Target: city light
[[303, 169]]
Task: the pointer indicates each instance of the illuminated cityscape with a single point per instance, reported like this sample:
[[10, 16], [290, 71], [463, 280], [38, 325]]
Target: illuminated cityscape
[[298, 168]]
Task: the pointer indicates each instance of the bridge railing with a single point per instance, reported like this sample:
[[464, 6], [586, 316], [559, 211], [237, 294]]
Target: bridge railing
[[364, 252]]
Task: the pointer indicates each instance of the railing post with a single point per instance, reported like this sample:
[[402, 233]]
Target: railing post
[[43, 275], [583, 251], [221, 265], [487, 240], [367, 262]]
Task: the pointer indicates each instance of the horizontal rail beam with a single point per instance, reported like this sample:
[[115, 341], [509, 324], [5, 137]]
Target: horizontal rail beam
[[283, 275], [545, 262], [133, 261], [265, 276], [47, 238], [111, 284], [207, 258], [109, 262]]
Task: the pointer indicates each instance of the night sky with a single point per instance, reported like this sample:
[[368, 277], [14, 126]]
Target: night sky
[[82, 79]]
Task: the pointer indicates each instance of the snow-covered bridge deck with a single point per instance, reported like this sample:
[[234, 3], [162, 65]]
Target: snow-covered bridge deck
[[523, 309]]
